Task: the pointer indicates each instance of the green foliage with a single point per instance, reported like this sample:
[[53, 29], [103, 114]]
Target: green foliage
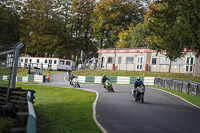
[[138, 36], [112, 17], [63, 110], [80, 15], [9, 22], [175, 26]]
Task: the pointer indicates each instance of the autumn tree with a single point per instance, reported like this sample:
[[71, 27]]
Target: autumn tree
[[112, 17]]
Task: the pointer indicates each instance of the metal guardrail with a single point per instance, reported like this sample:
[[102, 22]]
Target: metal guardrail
[[191, 88]]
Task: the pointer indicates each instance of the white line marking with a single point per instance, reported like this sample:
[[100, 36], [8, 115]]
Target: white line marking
[[177, 96], [93, 107]]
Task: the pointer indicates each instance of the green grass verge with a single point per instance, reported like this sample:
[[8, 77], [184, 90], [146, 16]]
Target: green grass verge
[[193, 99], [5, 124], [23, 72], [135, 74], [63, 110]]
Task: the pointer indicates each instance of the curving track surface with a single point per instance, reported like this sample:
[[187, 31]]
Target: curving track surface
[[118, 113]]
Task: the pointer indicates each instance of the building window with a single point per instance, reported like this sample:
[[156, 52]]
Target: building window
[[68, 63], [179, 61], [45, 61], [55, 61], [26, 60], [164, 60], [129, 60], [110, 60], [30, 60], [119, 60], [22, 60], [154, 60], [62, 62], [189, 64], [38, 60]]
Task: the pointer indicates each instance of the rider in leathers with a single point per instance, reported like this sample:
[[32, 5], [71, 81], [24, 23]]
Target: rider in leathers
[[137, 83], [103, 80]]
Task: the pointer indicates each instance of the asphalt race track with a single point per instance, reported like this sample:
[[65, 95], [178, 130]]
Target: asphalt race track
[[119, 113]]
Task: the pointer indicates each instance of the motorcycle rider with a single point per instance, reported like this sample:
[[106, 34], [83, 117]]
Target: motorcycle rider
[[71, 78], [137, 83], [103, 80]]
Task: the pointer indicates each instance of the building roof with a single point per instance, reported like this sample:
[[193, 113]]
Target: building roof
[[133, 50]]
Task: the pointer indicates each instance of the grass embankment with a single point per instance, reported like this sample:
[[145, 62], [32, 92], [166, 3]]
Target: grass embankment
[[5, 124], [192, 99], [63, 110], [135, 74], [23, 72]]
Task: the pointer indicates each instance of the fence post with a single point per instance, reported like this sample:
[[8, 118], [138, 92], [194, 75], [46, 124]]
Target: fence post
[[18, 46]]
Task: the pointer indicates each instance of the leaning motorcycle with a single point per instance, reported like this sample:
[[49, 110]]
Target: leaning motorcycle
[[108, 86], [139, 94], [75, 83]]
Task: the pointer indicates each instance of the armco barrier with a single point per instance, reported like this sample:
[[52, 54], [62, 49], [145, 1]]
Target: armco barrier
[[156, 81], [116, 79], [198, 91], [123, 80], [29, 78], [185, 88], [97, 79], [177, 85], [190, 88], [169, 83], [193, 89], [149, 80], [31, 121]]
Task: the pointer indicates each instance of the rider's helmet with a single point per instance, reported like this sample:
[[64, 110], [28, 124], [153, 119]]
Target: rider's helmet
[[138, 78]]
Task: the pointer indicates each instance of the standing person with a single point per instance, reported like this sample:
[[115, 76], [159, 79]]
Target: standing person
[[48, 76]]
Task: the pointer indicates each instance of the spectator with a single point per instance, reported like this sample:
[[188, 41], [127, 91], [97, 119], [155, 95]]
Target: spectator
[[48, 76]]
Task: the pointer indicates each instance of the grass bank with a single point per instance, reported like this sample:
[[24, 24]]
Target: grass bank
[[135, 74], [23, 72], [63, 110], [192, 99]]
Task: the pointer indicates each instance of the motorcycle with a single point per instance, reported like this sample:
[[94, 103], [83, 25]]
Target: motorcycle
[[108, 86], [75, 82], [139, 94]]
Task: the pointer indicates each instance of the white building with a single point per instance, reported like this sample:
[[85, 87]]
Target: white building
[[46, 63], [144, 59]]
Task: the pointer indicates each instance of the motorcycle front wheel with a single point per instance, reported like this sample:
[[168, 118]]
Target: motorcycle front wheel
[[111, 88], [142, 98], [78, 86]]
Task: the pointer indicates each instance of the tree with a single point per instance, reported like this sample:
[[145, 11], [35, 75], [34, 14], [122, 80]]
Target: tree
[[41, 31], [81, 30], [175, 26], [112, 17], [9, 21], [124, 38]]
